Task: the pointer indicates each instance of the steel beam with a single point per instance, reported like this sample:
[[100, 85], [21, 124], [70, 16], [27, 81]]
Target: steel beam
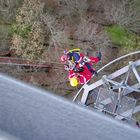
[[128, 113]]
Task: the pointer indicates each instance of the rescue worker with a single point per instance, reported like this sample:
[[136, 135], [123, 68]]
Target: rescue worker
[[78, 75], [74, 56], [71, 55], [78, 78]]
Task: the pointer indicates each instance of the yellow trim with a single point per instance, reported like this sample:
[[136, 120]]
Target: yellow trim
[[74, 50]]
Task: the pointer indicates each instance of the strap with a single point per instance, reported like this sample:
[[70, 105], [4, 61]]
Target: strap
[[75, 50]]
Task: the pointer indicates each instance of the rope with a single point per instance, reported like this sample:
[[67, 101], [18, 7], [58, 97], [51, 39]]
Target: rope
[[26, 62]]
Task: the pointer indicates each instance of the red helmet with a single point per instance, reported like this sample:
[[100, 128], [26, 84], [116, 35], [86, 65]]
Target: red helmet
[[63, 58]]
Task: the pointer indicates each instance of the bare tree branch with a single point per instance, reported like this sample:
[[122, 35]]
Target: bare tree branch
[[125, 13], [89, 32]]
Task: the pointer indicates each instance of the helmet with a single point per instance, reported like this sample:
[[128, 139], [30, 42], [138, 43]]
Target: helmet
[[63, 58], [74, 82]]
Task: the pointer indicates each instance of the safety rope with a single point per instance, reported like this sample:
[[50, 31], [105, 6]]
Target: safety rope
[[26, 62]]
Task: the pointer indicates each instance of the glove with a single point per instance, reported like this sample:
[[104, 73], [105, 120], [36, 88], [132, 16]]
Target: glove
[[86, 59], [99, 55]]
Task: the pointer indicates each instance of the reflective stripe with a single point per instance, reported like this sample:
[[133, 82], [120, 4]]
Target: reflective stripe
[[71, 75], [74, 50], [83, 78], [80, 60]]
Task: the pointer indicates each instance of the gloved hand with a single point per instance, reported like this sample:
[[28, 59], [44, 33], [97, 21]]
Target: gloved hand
[[86, 59], [99, 55]]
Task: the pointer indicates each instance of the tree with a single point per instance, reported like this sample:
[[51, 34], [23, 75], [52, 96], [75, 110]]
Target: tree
[[70, 7], [58, 35], [125, 13], [90, 32], [30, 35], [8, 9]]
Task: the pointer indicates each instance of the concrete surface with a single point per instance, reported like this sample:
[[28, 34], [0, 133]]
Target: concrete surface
[[29, 113]]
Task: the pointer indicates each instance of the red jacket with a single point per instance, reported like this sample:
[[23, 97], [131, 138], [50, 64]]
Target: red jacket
[[85, 75], [94, 59], [82, 77]]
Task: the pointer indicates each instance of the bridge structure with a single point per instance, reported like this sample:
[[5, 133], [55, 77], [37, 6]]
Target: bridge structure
[[113, 94]]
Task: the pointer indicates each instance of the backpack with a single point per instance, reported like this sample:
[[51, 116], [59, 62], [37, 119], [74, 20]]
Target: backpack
[[74, 52]]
